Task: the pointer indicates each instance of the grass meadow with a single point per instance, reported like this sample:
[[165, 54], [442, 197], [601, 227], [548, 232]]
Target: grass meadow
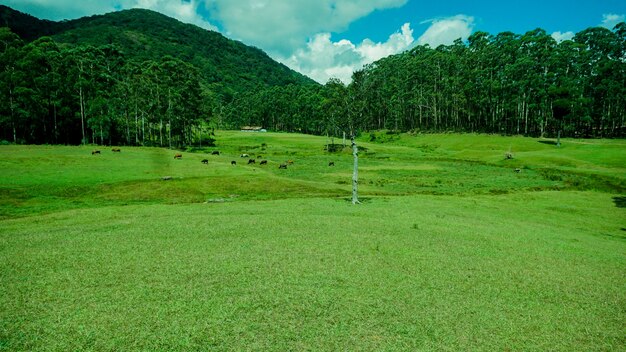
[[450, 250]]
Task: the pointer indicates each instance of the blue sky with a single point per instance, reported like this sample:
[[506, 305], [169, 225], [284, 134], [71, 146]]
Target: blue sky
[[491, 16], [332, 38]]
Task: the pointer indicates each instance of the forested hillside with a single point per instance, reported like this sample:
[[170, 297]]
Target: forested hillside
[[132, 77], [137, 77], [508, 84], [515, 84]]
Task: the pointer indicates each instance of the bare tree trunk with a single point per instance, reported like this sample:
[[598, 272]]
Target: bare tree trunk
[[136, 121], [127, 126], [82, 113], [355, 173], [56, 133], [12, 116]]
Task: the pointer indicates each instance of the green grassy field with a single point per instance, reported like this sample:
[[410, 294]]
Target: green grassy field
[[450, 249]]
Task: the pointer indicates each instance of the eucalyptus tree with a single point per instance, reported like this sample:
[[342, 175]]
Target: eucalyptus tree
[[335, 108], [10, 46], [82, 62], [182, 95]]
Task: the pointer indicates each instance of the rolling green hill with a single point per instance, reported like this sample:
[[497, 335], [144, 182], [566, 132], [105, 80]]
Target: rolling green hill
[[135, 77], [450, 250]]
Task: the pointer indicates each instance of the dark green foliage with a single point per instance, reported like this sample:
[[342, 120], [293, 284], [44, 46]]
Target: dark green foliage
[[225, 65], [334, 148], [507, 84], [511, 84], [383, 136], [137, 77], [133, 77], [26, 26]]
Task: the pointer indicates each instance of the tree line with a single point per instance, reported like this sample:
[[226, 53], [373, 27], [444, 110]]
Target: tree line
[[526, 84], [59, 94], [511, 84]]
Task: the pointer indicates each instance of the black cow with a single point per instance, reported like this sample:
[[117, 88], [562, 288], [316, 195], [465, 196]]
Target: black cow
[[205, 161], [332, 163], [263, 162], [282, 166], [215, 152], [245, 155], [251, 161], [233, 162]]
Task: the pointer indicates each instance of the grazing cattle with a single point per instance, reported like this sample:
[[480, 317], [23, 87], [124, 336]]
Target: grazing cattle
[[518, 170], [282, 166], [251, 161], [116, 150], [332, 163], [263, 162], [245, 155], [259, 157], [178, 156], [215, 152], [95, 152], [289, 162], [233, 162], [205, 161]]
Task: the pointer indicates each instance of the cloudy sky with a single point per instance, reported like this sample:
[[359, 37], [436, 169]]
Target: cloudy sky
[[332, 38]]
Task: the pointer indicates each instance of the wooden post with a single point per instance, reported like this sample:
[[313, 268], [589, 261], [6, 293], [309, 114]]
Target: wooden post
[[355, 173]]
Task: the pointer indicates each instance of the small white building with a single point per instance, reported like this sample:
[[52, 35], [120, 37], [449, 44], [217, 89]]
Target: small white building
[[253, 129]]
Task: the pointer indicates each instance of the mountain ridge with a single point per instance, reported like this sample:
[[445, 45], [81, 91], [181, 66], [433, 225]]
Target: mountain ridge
[[228, 66]]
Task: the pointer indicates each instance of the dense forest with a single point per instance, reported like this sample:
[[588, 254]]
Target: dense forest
[[85, 94], [508, 84], [514, 84], [137, 77], [130, 77]]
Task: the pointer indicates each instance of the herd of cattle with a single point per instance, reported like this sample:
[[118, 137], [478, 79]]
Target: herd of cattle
[[216, 152], [250, 160], [114, 150]]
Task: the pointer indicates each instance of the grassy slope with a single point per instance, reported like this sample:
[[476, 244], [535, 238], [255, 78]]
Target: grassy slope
[[41, 179], [519, 270]]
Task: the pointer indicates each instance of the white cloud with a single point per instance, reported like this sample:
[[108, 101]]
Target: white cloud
[[282, 26], [610, 20], [183, 10], [295, 32], [559, 37], [323, 59], [446, 30], [62, 9]]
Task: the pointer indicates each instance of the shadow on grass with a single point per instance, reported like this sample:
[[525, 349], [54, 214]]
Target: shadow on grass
[[620, 202], [585, 182], [548, 142]]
